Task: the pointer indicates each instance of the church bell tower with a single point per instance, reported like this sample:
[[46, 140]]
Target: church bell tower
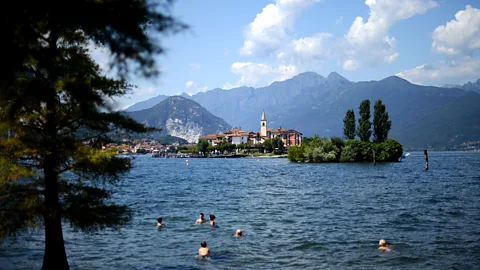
[[263, 124]]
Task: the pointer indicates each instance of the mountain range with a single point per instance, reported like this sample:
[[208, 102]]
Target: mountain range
[[422, 116], [469, 86]]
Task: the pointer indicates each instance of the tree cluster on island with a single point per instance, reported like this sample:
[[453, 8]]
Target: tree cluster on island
[[335, 149], [55, 110], [275, 146]]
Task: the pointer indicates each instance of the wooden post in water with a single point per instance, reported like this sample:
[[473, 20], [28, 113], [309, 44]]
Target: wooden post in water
[[374, 161], [425, 156]]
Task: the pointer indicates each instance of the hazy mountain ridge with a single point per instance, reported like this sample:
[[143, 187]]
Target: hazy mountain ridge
[[418, 113], [242, 106], [469, 86], [313, 104], [146, 104], [181, 117]]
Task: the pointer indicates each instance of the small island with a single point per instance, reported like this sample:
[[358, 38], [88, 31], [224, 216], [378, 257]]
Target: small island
[[381, 149]]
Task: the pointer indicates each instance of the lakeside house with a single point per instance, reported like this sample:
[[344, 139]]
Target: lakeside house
[[238, 136]]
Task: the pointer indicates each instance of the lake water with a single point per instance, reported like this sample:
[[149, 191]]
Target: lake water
[[294, 216]]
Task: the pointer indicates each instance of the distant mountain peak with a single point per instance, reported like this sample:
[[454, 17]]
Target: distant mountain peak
[[395, 79], [469, 86], [146, 104], [185, 95], [307, 74], [334, 76]]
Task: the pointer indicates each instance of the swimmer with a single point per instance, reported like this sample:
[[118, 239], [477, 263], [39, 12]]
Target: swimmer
[[200, 220], [383, 245], [203, 250], [186, 162], [238, 233], [159, 222], [212, 218]]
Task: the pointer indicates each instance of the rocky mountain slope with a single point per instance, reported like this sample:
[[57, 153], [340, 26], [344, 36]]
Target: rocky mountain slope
[[181, 117]]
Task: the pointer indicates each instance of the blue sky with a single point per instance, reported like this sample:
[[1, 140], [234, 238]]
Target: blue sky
[[256, 42]]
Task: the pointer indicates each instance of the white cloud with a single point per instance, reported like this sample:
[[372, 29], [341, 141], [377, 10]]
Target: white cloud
[[350, 65], [258, 75], [271, 34], [458, 39], [268, 31], [459, 36], [339, 20], [314, 46], [189, 84], [151, 90], [391, 58], [202, 89], [367, 42], [457, 71]]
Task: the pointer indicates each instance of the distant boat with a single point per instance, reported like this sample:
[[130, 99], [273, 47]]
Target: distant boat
[[407, 154], [156, 153]]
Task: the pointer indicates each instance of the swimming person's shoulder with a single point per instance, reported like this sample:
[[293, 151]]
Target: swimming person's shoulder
[[159, 222], [203, 250], [201, 219], [382, 245]]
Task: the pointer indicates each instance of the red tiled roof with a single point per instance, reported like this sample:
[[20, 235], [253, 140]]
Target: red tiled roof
[[278, 130], [291, 130], [233, 130], [212, 136]]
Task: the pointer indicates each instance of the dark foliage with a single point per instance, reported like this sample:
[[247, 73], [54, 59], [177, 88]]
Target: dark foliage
[[381, 122], [364, 130], [55, 100]]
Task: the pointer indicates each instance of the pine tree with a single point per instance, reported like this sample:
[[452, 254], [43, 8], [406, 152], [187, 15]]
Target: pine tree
[[381, 122], [349, 125], [364, 130], [54, 101]]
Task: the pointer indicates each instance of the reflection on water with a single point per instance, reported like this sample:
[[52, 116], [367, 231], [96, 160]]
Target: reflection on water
[[293, 216]]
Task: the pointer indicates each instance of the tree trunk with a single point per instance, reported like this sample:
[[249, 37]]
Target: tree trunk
[[54, 256]]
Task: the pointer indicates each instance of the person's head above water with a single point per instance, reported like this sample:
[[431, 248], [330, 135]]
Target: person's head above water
[[159, 220], [382, 243], [212, 217], [203, 244], [201, 215], [238, 232]]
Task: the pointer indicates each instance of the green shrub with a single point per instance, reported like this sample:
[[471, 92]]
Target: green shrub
[[363, 150], [389, 150], [296, 153], [335, 150], [277, 151], [254, 150], [348, 154]]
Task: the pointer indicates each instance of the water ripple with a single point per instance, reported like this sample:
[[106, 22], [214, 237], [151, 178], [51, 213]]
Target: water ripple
[[294, 216]]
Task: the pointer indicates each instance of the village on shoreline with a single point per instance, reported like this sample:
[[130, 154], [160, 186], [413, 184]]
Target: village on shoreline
[[232, 143], [268, 143]]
